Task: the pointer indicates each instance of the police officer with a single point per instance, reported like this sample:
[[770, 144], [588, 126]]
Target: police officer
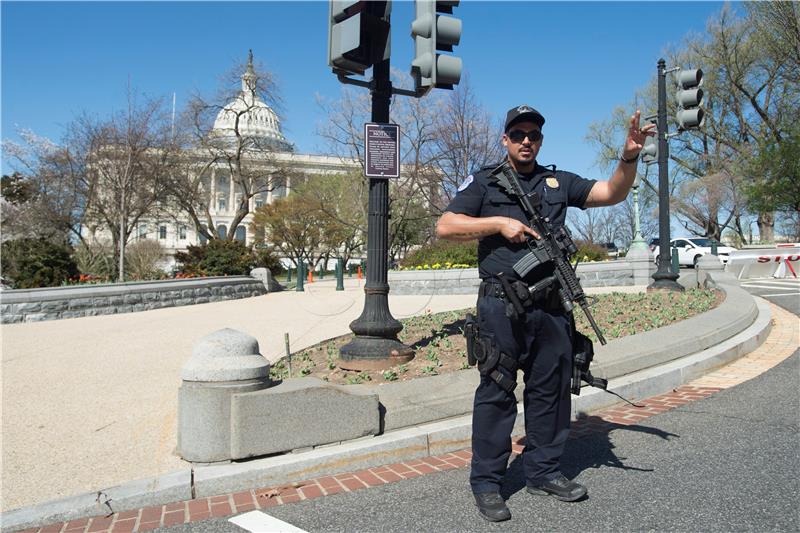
[[538, 342]]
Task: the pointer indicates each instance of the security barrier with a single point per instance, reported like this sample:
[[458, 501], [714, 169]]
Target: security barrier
[[779, 262]]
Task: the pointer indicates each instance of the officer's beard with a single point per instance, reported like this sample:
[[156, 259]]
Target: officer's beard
[[522, 166]]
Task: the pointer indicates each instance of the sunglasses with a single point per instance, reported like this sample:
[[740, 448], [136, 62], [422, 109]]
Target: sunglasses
[[517, 136]]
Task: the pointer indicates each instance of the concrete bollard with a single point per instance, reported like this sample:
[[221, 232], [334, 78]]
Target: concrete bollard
[[265, 276], [641, 260], [223, 363], [707, 263]]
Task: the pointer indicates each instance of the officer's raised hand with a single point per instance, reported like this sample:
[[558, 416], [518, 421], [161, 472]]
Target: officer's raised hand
[[516, 231], [636, 136]]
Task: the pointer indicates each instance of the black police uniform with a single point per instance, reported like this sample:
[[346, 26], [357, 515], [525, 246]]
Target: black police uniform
[[538, 342]]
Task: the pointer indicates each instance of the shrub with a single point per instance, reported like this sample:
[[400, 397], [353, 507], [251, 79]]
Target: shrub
[[96, 260], [443, 252], [142, 258], [266, 257], [588, 251], [217, 257], [31, 263]]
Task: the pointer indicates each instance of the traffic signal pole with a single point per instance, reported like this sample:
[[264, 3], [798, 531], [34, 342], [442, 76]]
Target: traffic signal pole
[[375, 345], [359, 38], [664, 278]]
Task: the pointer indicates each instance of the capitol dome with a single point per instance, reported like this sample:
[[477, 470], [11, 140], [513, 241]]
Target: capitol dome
[[257, 121]]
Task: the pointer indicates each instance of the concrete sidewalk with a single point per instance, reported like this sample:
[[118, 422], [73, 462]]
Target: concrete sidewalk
[[92, 402]]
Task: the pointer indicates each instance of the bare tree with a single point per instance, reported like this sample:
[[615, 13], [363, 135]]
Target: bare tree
[[465, 139], [104, 177], [344, 135], [127, 159], [226, 133], [724, 172]]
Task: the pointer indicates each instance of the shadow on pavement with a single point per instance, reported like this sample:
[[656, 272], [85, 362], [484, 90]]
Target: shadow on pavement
[[584, 451]]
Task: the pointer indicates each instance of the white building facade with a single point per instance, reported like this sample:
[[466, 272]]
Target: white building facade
[[279, 166]]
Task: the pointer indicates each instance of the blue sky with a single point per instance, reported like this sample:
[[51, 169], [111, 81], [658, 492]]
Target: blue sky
[[573, 61]]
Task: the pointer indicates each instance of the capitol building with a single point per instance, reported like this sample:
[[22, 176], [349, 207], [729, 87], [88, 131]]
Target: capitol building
[[271, 162]]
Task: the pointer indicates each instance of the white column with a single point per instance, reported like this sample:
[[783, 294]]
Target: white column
[[213, 206], [231, 194], [270, 184]]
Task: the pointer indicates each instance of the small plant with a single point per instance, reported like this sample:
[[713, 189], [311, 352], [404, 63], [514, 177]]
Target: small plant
[[403, 368], [431, 370], [389, 375]]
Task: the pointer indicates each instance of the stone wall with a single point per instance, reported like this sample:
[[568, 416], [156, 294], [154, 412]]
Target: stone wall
[[622, 272], [32, 305]]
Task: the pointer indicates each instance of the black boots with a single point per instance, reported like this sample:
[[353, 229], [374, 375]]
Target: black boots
[[492, 507], [561, 488]]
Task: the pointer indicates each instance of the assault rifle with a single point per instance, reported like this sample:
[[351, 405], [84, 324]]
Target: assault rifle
[[554, 246]]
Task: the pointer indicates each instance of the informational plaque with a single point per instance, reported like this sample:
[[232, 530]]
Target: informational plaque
[[382, 150]]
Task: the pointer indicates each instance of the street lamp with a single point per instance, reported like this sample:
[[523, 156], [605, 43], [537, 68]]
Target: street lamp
[[638, 241]]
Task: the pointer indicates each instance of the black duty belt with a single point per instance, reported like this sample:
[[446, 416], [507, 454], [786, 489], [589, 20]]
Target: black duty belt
[[490, 288]]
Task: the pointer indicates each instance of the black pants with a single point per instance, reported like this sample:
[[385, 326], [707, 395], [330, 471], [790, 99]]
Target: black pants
[[542, 342]]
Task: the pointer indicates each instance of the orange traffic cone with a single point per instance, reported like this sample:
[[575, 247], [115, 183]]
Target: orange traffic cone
[[310, 276], [359, 272]]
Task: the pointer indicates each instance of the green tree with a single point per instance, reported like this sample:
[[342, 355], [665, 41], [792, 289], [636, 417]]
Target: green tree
[[31, 263], [289, 225]]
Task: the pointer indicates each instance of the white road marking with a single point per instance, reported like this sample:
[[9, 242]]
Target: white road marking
[[776, 281], [782, 294], [259, 522], [768, 285]]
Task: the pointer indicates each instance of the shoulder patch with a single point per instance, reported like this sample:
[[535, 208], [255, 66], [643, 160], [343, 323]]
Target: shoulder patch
[[466, 183]]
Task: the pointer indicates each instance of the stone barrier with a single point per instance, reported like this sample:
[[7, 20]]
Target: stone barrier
[[229, 409], [53, 303], [634, 271]]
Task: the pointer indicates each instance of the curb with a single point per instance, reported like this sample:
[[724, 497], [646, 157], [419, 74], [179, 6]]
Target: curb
[[416, 442]]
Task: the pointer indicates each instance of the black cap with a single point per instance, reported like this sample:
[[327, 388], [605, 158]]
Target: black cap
[[523, 113]]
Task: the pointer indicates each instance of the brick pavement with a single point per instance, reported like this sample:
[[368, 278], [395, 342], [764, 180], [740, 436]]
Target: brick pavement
[[783, 340]]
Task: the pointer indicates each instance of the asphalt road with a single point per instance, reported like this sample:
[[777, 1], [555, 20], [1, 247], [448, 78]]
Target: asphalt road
[[783, 292], [725, 463]]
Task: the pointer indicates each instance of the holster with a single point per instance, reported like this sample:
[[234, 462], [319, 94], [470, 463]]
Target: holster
[[582, 356], [483, 351], [471, 336]]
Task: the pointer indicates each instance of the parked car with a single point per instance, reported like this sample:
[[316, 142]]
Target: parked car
[[691, 249], [611, 249]]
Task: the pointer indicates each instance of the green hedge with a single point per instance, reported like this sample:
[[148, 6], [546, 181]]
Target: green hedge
[[588, 251], [32, 263], [442, 252], [217, 257]]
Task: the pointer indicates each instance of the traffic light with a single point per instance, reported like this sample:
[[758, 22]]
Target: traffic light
[[690, 98], [650, 148], [358, 35], [433, 32]]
